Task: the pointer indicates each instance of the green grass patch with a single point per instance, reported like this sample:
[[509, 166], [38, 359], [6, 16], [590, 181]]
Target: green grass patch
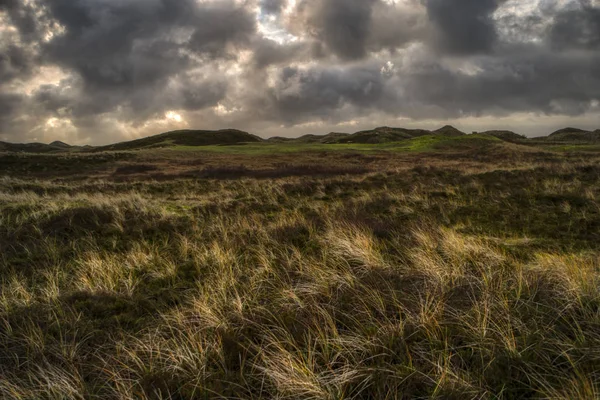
[[574, 148], [419, 144]]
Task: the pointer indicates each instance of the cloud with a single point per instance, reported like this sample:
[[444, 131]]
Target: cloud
[[341, 25], [142, 42], [267, 52], [220, 25], [15, 61], [529, 79], [396, 25], [272, 6], [301, 93], [22, 15], [132, 59], [464, 26], [262, 64], [576, 28], [9, 102], [17, 55]]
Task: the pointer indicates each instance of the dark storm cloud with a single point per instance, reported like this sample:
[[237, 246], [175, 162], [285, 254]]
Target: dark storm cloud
[[346, 26], [268, 52], [465, 26], [141, 42], [10, 103], [353, 29], [197, 94], [533, 81], [522, 79], [576, 28], [22, 16], [54, 97], [220, 25], [70, 98], [394, 26], [15, 61], [318, 92], [272, 6], [342, 25], [18, 56]]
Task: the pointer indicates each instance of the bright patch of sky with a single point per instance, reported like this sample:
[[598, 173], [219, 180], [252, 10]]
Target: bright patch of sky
[[270, 26], [527, 14], [173, 116], [388, 69]]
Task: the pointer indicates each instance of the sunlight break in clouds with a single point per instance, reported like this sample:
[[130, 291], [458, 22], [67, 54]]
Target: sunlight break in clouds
[[173, 116]]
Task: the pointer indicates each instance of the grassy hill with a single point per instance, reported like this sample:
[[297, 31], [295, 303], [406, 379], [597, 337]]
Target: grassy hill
[[379, 136], [451, 143], [31, 147], [574, 135], [331, 137], [186, 138], [60, 145], [508, 136], [448, 130], [383, 134]]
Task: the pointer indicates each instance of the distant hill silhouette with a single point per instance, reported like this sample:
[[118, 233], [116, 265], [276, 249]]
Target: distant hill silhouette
[[574, 135], [186, 138], [224, 137], [59, 144], [32, 147], [331, 137], [383, 134], [448, 130], [508, 136]]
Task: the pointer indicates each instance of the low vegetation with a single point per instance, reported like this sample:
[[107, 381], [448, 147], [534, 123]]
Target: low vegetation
[[399, 138], [451, 268]]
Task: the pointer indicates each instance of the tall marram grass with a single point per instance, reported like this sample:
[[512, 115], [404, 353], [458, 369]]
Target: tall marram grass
[[364, 287]]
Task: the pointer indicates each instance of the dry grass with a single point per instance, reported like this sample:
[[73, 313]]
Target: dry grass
[[427, 282]]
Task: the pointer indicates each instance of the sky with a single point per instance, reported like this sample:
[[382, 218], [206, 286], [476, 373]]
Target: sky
[[102, 71]]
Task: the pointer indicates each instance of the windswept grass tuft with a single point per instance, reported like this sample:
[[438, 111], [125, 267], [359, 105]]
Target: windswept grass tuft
[[414, 277]]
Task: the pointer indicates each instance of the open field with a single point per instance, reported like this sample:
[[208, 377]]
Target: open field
[[438, 267]]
